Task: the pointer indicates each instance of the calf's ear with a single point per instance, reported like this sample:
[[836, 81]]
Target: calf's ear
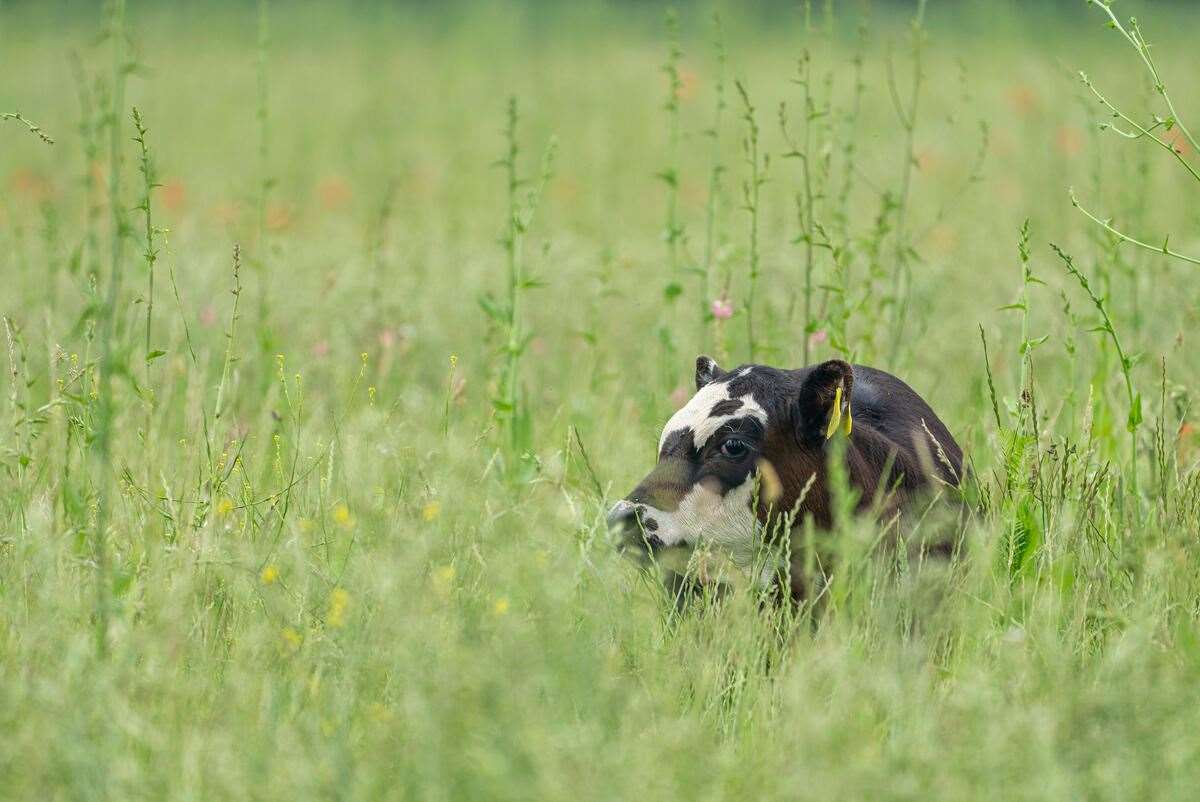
[[823, 404], [707, 371]]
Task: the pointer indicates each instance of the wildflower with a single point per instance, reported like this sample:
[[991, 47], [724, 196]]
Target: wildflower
[[292, 638], [443, 578], [320, 348], [1068, 140], [1178, 142], [269, 574], [1023, 99], [342, 516], [224, 507], [431, 511], [173, 195], [226, 213], [339, 603], [334, 193], [818, 337], [500, 606], [689, 82], [722, 309], [28, 183], [279, 217]]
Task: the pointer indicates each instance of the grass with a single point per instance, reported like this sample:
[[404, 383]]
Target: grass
[[344, 537]]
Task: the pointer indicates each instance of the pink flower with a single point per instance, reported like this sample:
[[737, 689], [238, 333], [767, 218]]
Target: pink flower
[[321, 348], [722, 309], [817, 337]]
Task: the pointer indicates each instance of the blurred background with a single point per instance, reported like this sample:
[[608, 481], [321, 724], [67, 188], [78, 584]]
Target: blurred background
[[333, 527]]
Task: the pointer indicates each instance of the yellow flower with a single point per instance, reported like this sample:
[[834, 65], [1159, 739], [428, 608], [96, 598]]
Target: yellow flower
[[379, 711], [500, 607], [224, 507], [443, 579], [431, 511], [339, 603], [342, 516], [291, 638], [269, 574]]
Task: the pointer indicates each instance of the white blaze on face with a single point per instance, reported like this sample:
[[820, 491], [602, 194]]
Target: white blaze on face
[[696, 414], [726, 522]]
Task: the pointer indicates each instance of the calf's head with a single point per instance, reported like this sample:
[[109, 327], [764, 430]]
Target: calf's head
[[747, 443]]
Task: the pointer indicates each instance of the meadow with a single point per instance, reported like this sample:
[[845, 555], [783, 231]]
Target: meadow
[[323, 367]]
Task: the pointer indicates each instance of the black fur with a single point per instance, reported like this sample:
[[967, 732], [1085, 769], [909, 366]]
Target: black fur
[[898, 445]]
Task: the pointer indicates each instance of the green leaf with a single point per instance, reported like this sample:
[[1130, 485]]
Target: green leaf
[[490, 308], [155, 354], [1029, 345], [672, 290], [1135, 413]]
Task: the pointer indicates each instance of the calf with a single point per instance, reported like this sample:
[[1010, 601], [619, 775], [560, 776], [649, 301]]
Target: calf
[[751, 448]]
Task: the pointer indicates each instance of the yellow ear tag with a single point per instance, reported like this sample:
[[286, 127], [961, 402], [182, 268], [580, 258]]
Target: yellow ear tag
[[835, 417], [848, 422]]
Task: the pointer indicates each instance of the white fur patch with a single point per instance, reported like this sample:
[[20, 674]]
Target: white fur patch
[[695, 414], [704, 516]]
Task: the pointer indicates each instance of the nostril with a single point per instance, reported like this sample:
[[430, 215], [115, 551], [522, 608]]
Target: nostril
[[621, 514]]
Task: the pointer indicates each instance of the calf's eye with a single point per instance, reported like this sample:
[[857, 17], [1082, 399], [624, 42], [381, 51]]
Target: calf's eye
[[734, 448]]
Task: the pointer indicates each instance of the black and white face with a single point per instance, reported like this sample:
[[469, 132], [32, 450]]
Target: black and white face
[[748, 439], [704, 486]]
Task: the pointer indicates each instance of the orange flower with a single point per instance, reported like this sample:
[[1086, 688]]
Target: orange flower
[[279, 217], [927, 160], [689, 82], [1068, 140], [226, 212], [1023, 99], [334, 193], [1177, 141], [31, 185], [173, 195]]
